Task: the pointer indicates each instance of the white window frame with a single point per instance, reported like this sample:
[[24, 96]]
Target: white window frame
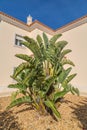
[[18, 40]]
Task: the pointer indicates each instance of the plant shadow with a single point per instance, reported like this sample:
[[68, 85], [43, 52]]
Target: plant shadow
[[80, 112], [27, 108], [8, 121]]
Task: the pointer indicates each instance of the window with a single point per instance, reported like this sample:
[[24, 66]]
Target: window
[[18, 40]]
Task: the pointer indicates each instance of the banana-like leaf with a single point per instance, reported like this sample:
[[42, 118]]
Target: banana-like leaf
[[39, 40], [45, 40], [48, 82], [67, 61], [30, 40], [33, 46], [54, 38], [70, 88], [19, 101], [41, 46], [51, 55], [69, 78], [50, 52], [20, 68], [29, 77], [36, 51], [64, 74], [51, 105], [14, 95], [74, 91], [61, 44], [57, 69], [77, 91], [57, 52], [24, 57], [60, 94], [64, 53], [17, 86], [26, 44]]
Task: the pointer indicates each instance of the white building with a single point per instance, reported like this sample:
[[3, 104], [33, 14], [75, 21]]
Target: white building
[[12, 30]]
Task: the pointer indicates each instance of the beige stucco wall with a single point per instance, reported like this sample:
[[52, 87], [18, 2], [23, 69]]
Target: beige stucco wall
[[8, 50], [36, 32], [77, 39]]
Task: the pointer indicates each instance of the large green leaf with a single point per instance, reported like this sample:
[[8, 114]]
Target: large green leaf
[[20, 68], [47, 83], [71, 89], [61, 44], [51, 105], [39, 40], [67, 61], [19, 101], [24, 57], [17, 86], [54, 38], [59, 94], [41, 46], [33, 46], [74, 90], [64, 53], [26, 44], [63, 75], [46, 42], [14, 95], [69, 78], [30, 76], [29, 40]]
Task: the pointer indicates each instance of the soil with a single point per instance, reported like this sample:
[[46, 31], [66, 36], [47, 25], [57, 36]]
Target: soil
[[73, 111]]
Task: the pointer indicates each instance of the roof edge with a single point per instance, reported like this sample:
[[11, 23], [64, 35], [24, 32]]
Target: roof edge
[[48, 29], [73, 22], [38, 22], [61, 29], [15, 19]]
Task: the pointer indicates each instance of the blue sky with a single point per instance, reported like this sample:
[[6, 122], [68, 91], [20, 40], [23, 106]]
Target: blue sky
[[53, 13]]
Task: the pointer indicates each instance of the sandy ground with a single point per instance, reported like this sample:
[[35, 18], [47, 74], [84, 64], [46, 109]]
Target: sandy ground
[[73, 111]]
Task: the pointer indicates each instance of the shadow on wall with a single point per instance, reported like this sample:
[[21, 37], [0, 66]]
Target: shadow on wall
[[80, 112], [8, 121]]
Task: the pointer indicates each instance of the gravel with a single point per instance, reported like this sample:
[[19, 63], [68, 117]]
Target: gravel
[[73, 111]]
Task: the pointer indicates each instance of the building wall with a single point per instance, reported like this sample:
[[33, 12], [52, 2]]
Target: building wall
[[77, 42], [36, 32], [7, 51]]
